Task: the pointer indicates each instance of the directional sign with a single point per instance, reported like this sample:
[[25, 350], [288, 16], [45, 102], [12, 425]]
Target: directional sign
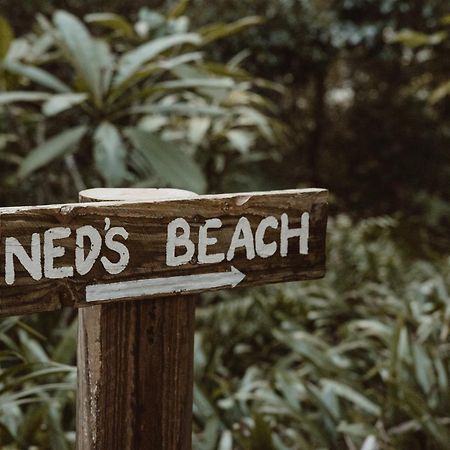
[[90, 253]]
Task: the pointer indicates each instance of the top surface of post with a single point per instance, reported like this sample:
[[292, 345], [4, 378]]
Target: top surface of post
[[134, 194]]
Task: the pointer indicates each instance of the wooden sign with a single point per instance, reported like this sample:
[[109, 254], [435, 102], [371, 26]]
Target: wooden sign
[[91, 253]]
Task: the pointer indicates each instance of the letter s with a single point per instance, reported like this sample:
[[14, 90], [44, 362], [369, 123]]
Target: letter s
[[119, 248]]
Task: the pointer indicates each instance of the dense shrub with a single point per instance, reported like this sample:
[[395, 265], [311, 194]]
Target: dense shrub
[[120, 103], [361, 356]]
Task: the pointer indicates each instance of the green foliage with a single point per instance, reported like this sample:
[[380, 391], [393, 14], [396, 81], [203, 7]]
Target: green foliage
[[37, 384], [96, 90], [6, 37], [413, 40], [360, 357], [356, 105]]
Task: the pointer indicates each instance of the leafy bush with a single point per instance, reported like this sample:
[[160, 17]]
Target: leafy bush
[[131, 106], [37, 381], [415, 40], [361, 357]]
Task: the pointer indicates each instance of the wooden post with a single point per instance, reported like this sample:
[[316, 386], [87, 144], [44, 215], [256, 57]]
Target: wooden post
[[135, 363]]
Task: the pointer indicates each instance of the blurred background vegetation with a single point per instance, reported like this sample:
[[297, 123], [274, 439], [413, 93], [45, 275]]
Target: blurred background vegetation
[[236, 95]]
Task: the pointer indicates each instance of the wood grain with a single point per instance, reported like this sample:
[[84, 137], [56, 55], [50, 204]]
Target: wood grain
[[135, 370], [135, 375], [146, 222]]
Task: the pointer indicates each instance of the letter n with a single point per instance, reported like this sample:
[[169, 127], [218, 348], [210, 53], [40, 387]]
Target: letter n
[[32, 264]]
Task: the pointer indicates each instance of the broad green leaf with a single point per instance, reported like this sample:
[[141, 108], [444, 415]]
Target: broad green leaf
[[151, 69], [55, 431], [217, 31], [110, 154], [50, 150], [22, 96], [131, 62], [188, 109], [65, 351], [7, 323], [169, 163], [198, 127], [86, 53], [350, 394], [423, 368], [226, 441], [6, 37], [178, 9], [171, 63], [11, 419], [241, 140], [203, 406], [216, 88], [186, 83], [416, 39], [106, 64], [440, 92], [61, 102], [113, 21], [232, 70], [370, 443], [32, 349], [48, 369], [20, 48], [37, 75]]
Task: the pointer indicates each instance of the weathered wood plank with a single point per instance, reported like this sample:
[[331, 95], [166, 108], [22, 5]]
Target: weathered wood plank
[[141, 229]]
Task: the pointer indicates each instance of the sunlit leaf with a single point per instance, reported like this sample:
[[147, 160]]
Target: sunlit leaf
[[171, 164], [440, 92], [61, 102], [110, 154], [217, 31], [37, 75], [416, 39], [178, 9], [50, 150], [134, 59], [360, 400], [22, 96], [88, 55], [6, 37], [188, 109], [113, 21]]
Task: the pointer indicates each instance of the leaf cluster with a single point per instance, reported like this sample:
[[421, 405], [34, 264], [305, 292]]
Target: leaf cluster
[[127, 103], [358, 360]]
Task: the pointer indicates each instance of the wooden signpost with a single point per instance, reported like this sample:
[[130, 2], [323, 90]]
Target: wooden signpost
[[133, 262]]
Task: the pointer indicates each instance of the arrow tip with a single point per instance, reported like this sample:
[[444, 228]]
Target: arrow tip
[[237, 276]]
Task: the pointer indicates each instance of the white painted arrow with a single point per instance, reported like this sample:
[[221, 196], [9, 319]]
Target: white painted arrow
[[157, 286]]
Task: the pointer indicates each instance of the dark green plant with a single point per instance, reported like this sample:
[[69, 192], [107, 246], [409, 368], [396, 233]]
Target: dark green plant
[[360, 358], [424, 47], [107, 101], [37, 384]]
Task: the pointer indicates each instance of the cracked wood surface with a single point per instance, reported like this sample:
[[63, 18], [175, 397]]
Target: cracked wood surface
[[146, 222]]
